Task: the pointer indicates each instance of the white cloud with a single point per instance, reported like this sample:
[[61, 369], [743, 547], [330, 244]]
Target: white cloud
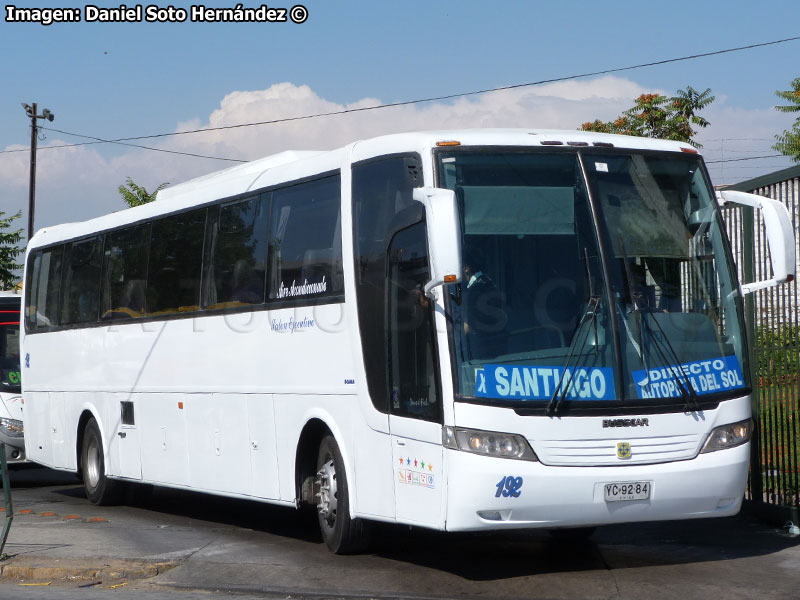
[[79, 183]]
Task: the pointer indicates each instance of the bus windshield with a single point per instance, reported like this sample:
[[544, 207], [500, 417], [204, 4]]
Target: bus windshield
[[591, 279], [9, 348]]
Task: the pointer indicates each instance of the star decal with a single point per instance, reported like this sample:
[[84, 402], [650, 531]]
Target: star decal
[[408, 461], [430, 467], [401, 460], [422, 464], [415, 462]]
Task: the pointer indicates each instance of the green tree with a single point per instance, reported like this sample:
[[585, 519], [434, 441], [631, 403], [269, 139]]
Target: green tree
[[136, 195], [657, 116], [9, 251], [789, 141]]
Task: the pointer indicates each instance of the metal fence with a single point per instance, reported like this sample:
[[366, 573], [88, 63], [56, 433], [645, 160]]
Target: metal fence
[[773, 322]]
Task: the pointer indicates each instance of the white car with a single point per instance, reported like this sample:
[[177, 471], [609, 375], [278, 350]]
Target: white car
[[11, 431]]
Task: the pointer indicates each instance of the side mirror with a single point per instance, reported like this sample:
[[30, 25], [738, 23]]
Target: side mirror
[[444, 235], [780, 236]]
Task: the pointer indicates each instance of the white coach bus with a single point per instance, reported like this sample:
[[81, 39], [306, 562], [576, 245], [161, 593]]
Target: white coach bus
[[462, 330]]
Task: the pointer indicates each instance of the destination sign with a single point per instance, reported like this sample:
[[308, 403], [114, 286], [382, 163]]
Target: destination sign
[[522, 382], [706, 377]]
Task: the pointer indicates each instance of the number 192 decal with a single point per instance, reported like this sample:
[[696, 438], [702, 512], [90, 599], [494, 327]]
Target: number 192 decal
[[509, 487]]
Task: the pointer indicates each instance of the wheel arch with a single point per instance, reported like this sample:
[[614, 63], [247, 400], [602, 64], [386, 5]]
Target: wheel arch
[[86, 415], [307, 449]]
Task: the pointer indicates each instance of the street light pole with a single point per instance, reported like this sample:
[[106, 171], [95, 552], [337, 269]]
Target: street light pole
[[46, 114]]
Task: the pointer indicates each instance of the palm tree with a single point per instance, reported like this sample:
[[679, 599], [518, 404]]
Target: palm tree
[[136, 195]]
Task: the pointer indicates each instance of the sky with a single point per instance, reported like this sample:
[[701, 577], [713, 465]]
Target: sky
[[119, 80]]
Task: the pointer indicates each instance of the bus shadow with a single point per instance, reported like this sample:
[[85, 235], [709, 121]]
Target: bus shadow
[[30, 475], [216, 510], [485, 557], [498, 556]]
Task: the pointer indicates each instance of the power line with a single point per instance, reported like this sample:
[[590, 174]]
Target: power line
[[754, 168], [736, 140], [730, 160], [121, 143], [406, 102], [53, 147], [707, 152]]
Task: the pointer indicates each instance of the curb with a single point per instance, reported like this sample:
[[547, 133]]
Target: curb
[[81, 569]]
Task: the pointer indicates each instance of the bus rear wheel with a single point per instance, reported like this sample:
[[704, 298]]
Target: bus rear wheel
[[99, 489], [341, 533]]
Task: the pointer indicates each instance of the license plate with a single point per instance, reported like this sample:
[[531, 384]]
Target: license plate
[[626, 490]]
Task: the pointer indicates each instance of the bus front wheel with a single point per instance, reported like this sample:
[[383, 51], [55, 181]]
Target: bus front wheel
[[99, 489], [341, 533]]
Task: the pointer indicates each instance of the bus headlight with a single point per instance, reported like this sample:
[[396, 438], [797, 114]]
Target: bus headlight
[[728, 436], [11, 427], [488, 443]]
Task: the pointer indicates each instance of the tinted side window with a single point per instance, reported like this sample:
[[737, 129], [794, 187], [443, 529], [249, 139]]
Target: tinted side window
[[382, 204], [32, 289], [125, 273], [237, 234], [176, 258], [44, 288], [83, 263], [306, 241], [411, 334]]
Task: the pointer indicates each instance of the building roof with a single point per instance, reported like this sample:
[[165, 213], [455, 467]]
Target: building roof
[[765, 180]]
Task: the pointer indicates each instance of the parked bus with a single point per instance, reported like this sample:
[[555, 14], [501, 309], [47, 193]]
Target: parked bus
[[11, 430], [462, 330]]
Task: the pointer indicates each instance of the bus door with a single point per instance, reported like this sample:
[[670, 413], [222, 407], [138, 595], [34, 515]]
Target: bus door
[[415, 412]]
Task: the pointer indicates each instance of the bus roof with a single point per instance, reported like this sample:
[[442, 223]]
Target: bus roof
[[292, 165]]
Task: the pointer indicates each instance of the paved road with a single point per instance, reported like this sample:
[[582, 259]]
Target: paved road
[[185, 541]]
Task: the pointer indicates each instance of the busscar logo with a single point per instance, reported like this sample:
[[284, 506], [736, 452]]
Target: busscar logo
[[626, 423]]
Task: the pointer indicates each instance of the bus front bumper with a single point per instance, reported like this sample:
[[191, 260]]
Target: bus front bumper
[[14, 446], [710, 485]]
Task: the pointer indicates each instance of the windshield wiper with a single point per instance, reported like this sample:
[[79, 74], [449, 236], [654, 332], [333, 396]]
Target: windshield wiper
[[646, 334], [576, 349], [688, 392]]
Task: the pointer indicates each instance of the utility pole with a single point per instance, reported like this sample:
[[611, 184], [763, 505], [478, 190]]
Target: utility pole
[[46, 114]]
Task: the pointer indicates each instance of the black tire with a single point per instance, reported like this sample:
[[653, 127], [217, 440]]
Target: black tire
[[573, 535], [341, 534], [100, 489]]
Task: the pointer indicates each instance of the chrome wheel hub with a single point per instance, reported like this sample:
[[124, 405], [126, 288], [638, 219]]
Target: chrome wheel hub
[[93, 463], [327, 494]]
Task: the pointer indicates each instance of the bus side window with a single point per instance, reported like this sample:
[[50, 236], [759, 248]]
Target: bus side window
[[125, 273], [414, 392], [305, 245], [44, 289], [32, 289], [381, 190], [83, 262], [175, 263], [237, 250]]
